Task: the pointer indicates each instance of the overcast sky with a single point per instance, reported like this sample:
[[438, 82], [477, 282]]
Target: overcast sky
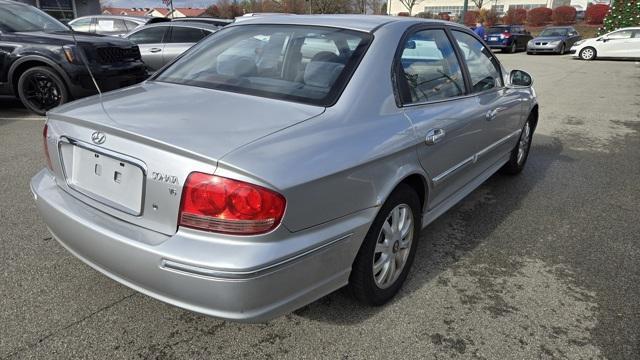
[[156, 3]]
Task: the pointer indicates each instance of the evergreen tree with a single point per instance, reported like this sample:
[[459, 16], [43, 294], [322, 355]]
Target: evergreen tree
[[622, 13]]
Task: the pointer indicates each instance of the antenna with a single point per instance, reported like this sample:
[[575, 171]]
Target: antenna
[[81, 53]]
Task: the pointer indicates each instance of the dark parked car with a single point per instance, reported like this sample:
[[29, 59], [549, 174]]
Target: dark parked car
[[555, 39], [205, 20], [508, 38], [41, 63], [114, 25]]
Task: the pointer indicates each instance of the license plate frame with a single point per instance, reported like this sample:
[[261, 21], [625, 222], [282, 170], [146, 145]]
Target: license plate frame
[[493, 38], [98, 181]]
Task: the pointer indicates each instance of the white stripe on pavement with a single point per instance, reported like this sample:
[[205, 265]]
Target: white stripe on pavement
[[23, 119]]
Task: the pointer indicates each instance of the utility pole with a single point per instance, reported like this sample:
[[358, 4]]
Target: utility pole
[[465, 7]]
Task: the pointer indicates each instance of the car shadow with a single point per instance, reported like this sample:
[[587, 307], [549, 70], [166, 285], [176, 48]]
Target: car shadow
[[454, 235]]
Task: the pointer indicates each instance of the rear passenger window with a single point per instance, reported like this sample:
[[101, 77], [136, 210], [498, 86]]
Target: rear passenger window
[[82, 25], [429, 69], [483, 68], [151, 35], [186, 35]]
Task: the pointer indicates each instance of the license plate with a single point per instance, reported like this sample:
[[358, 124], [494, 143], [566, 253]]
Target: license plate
[[493, 38], [106, 179]]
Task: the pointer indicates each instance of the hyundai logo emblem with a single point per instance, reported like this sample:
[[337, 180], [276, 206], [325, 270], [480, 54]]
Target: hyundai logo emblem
[[98, 137]]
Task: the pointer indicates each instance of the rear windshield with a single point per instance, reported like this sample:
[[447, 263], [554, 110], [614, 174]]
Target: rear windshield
[[297, 63], [498, 30]]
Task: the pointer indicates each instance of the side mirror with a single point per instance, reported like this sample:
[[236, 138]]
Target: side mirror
[[519, 78]]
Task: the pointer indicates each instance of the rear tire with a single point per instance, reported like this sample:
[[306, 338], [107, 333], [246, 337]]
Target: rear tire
[[562, 49], [520, 152], [588, 53], [41, 89], [388, 249]]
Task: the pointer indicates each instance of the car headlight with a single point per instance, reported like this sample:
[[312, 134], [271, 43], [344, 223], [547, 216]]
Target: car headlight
[[579, 42], [554, 42], [530, 42]]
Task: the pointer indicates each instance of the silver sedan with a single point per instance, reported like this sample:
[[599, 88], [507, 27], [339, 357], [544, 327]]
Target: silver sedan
[[162, 42], [281, 159]]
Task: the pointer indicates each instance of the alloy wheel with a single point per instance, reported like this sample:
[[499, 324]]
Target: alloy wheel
[[587, 54], [393, 246], [525, 141], [42, 92]]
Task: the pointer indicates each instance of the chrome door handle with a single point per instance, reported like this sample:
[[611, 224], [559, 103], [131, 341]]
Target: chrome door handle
[[434, 136], [491, 114], [155, 50]]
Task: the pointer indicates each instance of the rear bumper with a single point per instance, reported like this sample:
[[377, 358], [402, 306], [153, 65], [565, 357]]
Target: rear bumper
[[171, 268]]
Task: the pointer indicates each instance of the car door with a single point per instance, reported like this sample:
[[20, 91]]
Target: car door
[[150, 41], [615, 44], [179, 40], [634, 44], [434, 96], [499, 109]]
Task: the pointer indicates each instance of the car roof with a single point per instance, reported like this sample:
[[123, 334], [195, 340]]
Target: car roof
[[197, 25], [365, 23], [202, 19], [138, 19]]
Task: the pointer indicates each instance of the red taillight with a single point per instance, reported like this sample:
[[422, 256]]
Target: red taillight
[[214, 203], [505, 35], [45, 144]]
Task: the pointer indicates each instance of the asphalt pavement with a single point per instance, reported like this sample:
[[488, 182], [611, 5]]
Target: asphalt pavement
[[544, 265]]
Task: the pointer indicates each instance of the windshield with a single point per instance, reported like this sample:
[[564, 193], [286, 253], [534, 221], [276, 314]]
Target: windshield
[[20, 18], [297, 63], [554, 32]]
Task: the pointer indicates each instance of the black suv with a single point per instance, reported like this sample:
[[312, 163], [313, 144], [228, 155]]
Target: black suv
[[41, 63]]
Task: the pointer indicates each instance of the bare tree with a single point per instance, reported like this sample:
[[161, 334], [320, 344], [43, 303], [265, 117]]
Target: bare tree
[[330, 6], [409, 4], [478, 3]]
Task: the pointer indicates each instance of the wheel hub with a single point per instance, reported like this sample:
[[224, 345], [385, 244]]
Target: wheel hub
[[393, 246]]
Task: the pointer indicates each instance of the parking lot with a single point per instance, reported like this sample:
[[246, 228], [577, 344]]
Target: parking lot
[[544, 265]]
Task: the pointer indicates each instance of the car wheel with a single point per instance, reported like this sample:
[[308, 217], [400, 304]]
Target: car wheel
[[513, 48], [40, 89], [520, 152], [588, 53], [562, 49], [387, 252]]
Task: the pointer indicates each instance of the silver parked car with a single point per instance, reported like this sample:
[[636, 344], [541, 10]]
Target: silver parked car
[[281, 159], [553, 39], [162, 42], [113, 25]]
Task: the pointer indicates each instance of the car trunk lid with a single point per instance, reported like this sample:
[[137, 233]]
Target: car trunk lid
[[137, 146]]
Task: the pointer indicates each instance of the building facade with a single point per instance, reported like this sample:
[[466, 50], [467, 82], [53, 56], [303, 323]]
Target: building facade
[[66, 9], [454, 7]]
